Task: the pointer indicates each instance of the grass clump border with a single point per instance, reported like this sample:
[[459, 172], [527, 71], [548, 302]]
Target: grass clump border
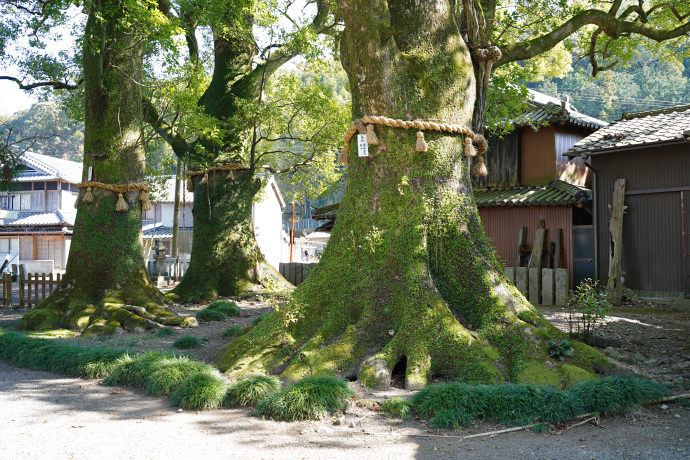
[[312, 398], [397, 407], [455, 405]]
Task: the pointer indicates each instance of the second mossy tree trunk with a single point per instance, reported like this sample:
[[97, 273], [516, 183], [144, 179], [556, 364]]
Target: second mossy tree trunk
[[226, 260], [408, 283], [106, 287]]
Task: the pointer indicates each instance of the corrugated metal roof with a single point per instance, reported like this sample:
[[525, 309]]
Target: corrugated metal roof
[[639, 129], [555, 193]]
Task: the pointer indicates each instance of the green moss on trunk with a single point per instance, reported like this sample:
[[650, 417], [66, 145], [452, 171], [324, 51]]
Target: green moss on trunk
[[105, 278], [408, 276]]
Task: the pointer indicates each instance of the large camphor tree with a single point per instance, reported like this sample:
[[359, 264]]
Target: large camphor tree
[[106, 286], [256, 121], [409, 283]]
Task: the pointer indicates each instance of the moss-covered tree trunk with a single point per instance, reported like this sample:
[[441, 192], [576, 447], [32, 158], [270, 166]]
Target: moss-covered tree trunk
[[408, 282], [225, 258], [106, 285]]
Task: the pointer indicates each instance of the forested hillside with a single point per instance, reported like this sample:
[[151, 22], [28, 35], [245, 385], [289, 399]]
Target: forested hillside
[[647, 84]]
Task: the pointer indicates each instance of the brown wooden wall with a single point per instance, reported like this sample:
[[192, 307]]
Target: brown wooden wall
[[502, 224], [538, 162], [652, 240], [502, 161]]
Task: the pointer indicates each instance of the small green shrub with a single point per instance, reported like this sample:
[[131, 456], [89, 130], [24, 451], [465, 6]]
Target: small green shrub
[[231, 331], [259, 318], [397, 407], [200, 391], [250, 391], [187, 342], [312, 398], [134, 370], [227, 307], [559, 349], [586, 308], [615, 395], [211, 315]]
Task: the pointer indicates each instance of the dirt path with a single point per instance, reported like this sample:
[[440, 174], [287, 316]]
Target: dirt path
[[43, 415]]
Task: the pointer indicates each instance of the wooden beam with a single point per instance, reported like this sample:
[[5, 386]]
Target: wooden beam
[[522, 233], [614, 287]]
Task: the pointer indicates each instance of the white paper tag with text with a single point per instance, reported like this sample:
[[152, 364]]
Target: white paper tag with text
[[362, 146]]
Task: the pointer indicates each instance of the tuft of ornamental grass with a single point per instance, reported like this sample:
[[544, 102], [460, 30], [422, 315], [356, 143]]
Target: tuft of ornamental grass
[[200, 391], [250, 391], [188, 342], [171, 373], [259, 318], [211, 315], [397, 407], [166, 332], [312, 398], [227, 307], [453, 405], [219, 310], [231, 332], [616, 395], [134, 370]]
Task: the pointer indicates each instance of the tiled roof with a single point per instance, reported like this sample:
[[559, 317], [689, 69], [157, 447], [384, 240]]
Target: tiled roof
[[40, 231], [556, 193], [27, 219], [639, 129], [545, 109], [48, 168], [327, 212], [160, 232]]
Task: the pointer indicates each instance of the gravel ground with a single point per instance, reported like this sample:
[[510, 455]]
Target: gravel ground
[[43, 415]]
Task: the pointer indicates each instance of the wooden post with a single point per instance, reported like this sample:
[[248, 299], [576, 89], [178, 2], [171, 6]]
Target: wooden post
[[50, 286], [522, 233], [21, 285], [614, 287], [8, 289], [28, 288], [557, 250], [537, 246], [43, 286]]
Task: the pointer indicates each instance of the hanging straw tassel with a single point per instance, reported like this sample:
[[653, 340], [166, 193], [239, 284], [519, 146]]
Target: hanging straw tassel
[[76, 203], [121, 205], [190, 184], [230, 176], [479, 167], [88, 196], [421, 143], [204, 180], [144, 198], [482, 145], [470, 151], [371, 135]]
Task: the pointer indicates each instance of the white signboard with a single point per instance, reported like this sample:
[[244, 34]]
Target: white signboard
[[362, 146]]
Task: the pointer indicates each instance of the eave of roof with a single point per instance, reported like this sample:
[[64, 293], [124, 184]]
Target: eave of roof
[[555, 193]]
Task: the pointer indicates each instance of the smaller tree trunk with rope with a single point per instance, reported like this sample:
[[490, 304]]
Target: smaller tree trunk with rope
[[106, 287]]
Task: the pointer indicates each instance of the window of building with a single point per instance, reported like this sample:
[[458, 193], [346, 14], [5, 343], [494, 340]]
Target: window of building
[[52, 201]]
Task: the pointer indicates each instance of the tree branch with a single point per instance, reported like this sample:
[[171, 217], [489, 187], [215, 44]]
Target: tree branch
[[51, 83], [609, 24]]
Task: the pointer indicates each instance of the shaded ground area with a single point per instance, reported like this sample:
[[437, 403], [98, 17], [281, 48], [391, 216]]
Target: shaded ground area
[[47, 416]]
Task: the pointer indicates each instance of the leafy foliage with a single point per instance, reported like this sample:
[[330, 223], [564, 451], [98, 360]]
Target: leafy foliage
[[586, 308], [559, 349], [312, 398]]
